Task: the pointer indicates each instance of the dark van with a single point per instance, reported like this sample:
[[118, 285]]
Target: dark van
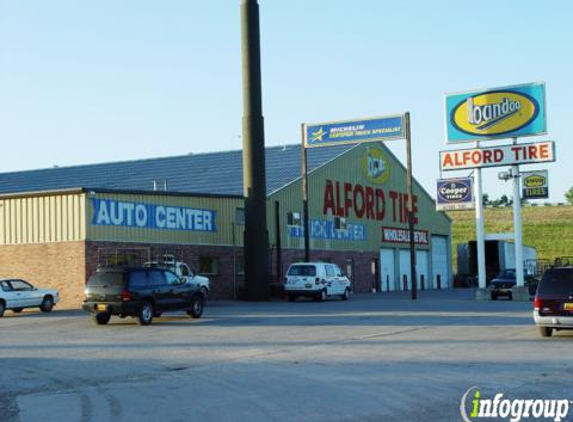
[[553, 309], [143, 293]]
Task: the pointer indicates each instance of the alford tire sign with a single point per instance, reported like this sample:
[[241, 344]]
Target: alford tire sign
[[507, 112], [455, 194], [506, 155]]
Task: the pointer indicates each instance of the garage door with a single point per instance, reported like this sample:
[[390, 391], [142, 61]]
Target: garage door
[[440, 262], [422, 269], [387, 274], [405, 269]]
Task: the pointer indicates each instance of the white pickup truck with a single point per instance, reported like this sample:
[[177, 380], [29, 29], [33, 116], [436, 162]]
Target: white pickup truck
[[183, 272]]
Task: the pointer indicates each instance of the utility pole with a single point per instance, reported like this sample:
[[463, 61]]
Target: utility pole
[[257, 254]]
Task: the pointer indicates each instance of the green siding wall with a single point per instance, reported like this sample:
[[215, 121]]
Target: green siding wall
[[227, 232], [351, 168]]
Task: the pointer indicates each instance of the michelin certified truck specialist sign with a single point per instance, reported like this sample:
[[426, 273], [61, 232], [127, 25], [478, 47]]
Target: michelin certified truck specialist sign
[[506, 155], [495, 113], [455, 194], [534, 184], [354, 131]]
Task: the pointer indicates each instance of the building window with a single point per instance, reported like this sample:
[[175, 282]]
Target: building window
[[240, 216], [293, 219], [240, 265], [208, 265]]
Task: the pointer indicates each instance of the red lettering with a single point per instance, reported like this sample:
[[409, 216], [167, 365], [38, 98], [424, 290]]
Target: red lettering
[[447, 160], [516, 152], [403, 210], [347, 199], [476, 157], [380, 204], [393, 196], [487, 156], [415, 209], [328, 198], [544, 151], [359, 198], [369, 202], [498, 155], [532, 152], [466, 157], [339, 209]]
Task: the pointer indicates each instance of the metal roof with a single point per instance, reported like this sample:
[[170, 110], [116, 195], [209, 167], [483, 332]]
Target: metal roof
[[219, 173]]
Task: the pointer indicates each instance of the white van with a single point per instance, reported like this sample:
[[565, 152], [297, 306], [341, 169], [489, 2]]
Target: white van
[[316, 279]]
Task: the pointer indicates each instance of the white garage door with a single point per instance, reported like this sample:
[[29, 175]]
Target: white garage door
[[404, 269], [440, 263], [387, 274], [422, 269]]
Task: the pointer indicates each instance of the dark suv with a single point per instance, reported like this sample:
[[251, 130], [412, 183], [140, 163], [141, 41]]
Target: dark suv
[[553, 309], [139, 292]]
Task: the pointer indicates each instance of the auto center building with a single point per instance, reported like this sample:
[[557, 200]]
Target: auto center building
[[57, 223]]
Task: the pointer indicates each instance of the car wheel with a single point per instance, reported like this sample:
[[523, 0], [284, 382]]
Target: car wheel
[[322, 296], [2, 308], [196, 307], [145, 313], [17, 310], [292, 298], [545, 331], [204, 291], [346, 294], [47, 304], [101, 318]]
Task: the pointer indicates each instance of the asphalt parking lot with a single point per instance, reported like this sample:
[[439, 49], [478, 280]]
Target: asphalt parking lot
[[373, 358]]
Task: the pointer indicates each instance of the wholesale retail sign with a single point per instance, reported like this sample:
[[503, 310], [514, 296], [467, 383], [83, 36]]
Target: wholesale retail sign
[[354, 131], [399, 235], [534, 184], [506, 112], [505, 155], [455, 194]]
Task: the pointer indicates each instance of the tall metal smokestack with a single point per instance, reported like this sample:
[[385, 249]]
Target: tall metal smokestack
[[257, 254]]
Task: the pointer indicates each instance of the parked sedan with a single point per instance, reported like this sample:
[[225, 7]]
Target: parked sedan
[[502, 284], [17, 295]]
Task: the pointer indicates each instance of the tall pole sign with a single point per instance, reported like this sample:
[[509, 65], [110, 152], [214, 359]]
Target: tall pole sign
[[257, 253], [493, 114], [356, 132]]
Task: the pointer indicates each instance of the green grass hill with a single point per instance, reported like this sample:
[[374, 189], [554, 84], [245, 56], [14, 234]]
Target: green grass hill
[[547, 228]]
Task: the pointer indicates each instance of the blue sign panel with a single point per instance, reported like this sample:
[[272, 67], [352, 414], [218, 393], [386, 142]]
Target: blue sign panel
[[354, 131], [323, 229], [108, 212], [455, 194], [507, 112]]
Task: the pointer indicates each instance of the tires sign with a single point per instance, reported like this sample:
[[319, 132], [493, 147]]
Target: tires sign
[[455, 194], [534, 184]]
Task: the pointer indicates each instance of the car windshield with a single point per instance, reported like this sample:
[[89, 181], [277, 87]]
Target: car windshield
[[305, 270], [106, 279], [556, 282]]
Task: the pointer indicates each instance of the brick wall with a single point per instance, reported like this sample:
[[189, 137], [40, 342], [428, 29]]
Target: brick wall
[[48, 265]]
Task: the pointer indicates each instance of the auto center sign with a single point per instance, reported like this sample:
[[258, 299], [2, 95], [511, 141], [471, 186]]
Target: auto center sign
[[506, 155]]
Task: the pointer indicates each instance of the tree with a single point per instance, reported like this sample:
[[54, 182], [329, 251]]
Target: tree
[[485, 199], [569, 196]]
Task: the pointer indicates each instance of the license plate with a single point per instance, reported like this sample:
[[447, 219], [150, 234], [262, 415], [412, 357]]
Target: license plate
[[308, 285], [100, 307], [568, 306]]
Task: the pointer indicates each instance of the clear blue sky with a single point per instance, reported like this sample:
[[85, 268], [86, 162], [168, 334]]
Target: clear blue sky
[[85, 82]]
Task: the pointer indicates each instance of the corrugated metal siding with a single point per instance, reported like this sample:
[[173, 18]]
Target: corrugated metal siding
[[228, 233], [348, 168], [41, 219]]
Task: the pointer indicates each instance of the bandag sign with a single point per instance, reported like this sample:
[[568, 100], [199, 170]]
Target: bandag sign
[[354, 131], [506, 155], [109, 212], [506, 112], [455, 194], [535, 184]]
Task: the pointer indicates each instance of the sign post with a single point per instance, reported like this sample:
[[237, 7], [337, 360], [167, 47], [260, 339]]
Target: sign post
[[496, 113]]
